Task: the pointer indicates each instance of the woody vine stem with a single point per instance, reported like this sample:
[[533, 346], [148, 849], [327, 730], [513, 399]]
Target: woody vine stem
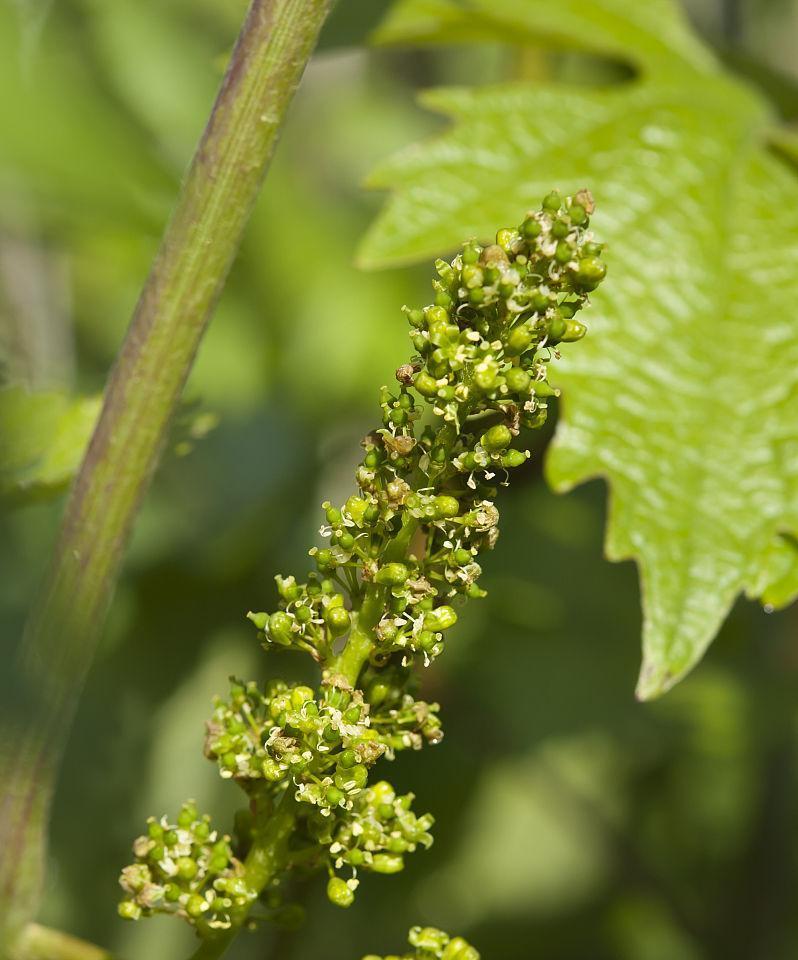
[[398, 558], [189, 272]]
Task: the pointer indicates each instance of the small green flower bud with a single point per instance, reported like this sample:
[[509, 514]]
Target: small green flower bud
[[346, 541], [333, 516], [259, 619], [188, 814], [339, 892], [157, 853], [497, 438], [462, 556], [338, 620], [387, 862], [378, 692], [426, 385], [551, 201], [556, 327], [517, 380], [352, 715], [325, 561], [590, 271], [280, 628], [202, 830], [446, 507], [196, 905], [442, 299], [288, 588], [334, 796], [472, 276], [518, 340], [441, 618], [426, 640], [303, 613], [353, 779], [563, 253], [574, 330], [541, 301], [458, 949], [578, 214], [514, 458], [129, 910], [393, 574], [485, 375], [470, 253], [331, 735], [560, 229], [154, 830], [272, 770], [347, 759], [428, 938], [356, 508], [543, 389], [531, 228], [509, 240], [186, 868], [300, 696]]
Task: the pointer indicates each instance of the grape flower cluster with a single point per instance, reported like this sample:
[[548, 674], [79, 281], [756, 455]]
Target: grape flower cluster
[[185, 869], [395, 563], [431, 944]]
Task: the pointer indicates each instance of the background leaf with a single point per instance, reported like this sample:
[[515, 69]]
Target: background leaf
[[684, 396], [42, 440]]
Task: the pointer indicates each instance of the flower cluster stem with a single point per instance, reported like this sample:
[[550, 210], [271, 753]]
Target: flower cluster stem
[[267, 855], [187, 277], [350, 662]]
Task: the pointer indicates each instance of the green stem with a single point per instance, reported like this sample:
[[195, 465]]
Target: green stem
[[267, 856], [187, 277], [350, 661]]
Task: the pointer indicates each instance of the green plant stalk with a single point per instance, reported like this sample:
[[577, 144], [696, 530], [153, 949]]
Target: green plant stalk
[[187, 277], [350, 662]]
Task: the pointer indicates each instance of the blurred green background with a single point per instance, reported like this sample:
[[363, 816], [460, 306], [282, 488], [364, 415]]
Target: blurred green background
[[572, 822]]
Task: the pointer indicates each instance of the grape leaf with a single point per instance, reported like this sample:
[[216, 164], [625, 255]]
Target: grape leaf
[[42, 440], [685, 394]]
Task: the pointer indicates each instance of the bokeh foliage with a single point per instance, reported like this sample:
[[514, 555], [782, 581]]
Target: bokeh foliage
[[571, 821]]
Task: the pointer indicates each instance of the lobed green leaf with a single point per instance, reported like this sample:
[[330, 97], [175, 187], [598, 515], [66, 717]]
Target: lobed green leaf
[[684, 395]]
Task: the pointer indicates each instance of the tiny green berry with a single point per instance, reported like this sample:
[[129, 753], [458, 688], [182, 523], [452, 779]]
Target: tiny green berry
[[497, 438], [339, 892], [393, 574], [441, 618], [338, 620]]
